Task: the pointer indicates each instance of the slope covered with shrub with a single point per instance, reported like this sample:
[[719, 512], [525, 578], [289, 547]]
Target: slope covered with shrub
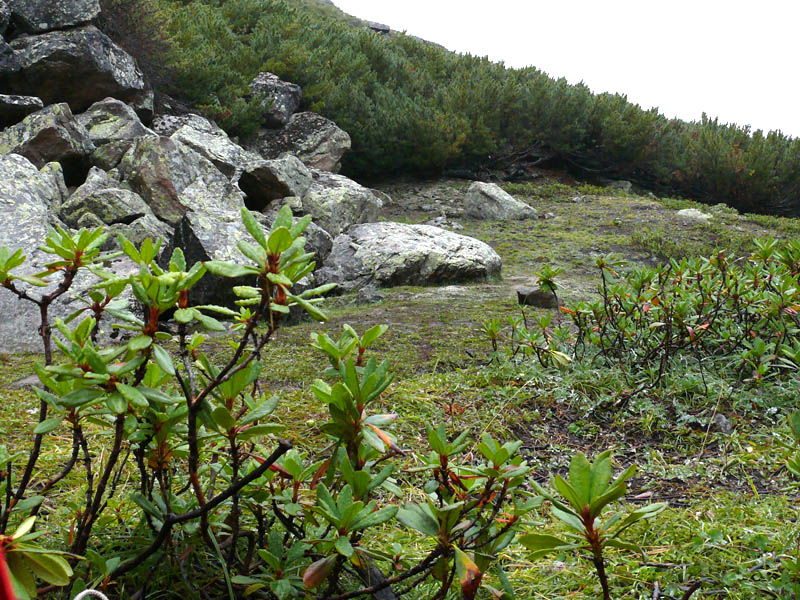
[[415, 107]]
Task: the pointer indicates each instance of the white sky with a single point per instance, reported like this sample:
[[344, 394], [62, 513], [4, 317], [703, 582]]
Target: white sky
[[733, 59]]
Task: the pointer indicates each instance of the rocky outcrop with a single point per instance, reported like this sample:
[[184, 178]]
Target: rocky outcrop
[[39, 16], [490, 201], [315, 140], [78, 66], [111, 120], [281, 98], [15, 108], [172, 178], [387, 254], [51, 134], [262, 181], [336, 202], [109, 204]]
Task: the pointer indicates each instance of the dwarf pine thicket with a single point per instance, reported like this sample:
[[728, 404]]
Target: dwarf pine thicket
[[415, 107]]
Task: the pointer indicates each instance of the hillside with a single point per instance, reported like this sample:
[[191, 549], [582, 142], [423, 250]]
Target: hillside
[[415, 107]]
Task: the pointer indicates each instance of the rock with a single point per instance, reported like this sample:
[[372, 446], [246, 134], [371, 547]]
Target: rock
[[101, 197], [535, 296], [108, 156], [489, 201], [315, 140], [111, 120], [26, 383], [722, 423], [15, 108], [336, 202], [626, 187], [54, 175], [166, 125], [387, 254], [369, 295], [162, 171], [5, 16], [51, 134], [261, 180], [78, 66], [39, 16], [281, 98], [209, 140], [264, 181], [25, 195], [692, 214], [378, 27]]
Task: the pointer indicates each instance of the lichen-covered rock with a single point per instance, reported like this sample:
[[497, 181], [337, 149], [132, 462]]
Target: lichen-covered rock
[[167, 124], [108, 156], [336, 202], [262, 181], [25, 195], [39, 16], [490, 201], [693, 214], [9, 63], [315, 140], [102, 197], [172, 178], [210, 141], [111, 120], [53, 173], [5, 16], [51, 134], [15, 108], [281, 98], [388, 254], [78, 66]]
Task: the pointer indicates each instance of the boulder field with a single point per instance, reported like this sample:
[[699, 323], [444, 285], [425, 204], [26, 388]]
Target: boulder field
[[81, 147]]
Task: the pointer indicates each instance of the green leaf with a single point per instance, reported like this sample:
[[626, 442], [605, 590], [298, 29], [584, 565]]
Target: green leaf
[[615, 543], [263, 409], [279, 240], [580, 478], [184, 315], [132, 395], [28, 503], [164, 360], [140, 342], [223, 418], [260, 430], [253, 228], [48, 567], [344, 547], [47, 425], [415, 517], [226, 269], [538, 541]]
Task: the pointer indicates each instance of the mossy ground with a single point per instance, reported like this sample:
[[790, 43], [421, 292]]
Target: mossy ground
[[733, 509]]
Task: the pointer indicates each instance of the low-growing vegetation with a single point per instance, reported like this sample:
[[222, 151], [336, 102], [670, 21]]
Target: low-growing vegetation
[[247, 460]]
